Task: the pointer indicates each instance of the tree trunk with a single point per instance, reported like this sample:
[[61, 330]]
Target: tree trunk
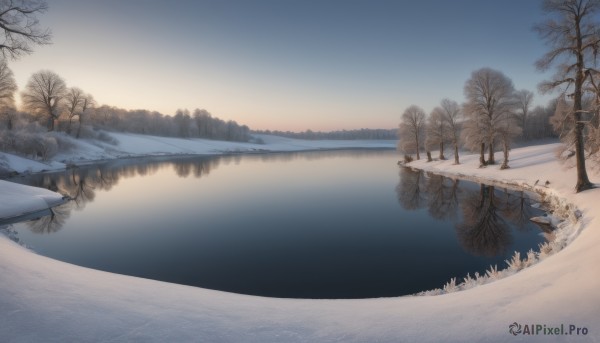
[[505, 150], [482, 156], [78, 128], [429, 159], [442, 157], [583, 181], [69, 126], [456, 153], [50, 123], [491, 159], [417, 143]]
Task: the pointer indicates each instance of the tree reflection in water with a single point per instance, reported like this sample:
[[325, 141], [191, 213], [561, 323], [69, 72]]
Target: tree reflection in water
[[443, 196], [483, 230], [81, 184], [52, 222], [411, 189], [486, 214]]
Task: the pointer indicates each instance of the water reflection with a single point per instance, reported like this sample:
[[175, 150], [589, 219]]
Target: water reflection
[[411, 189], [483, 215], [443, 196], [483, 231], [52, 222], [303, 225], [81, 184]]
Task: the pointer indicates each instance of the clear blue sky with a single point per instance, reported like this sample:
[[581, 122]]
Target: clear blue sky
[[288, 65]]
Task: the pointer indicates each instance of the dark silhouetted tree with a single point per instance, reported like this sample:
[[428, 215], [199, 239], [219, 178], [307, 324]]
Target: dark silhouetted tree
[[19, 27], [572, 35]]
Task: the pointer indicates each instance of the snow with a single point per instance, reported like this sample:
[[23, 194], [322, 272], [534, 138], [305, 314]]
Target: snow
[[42, 299], [18, 200]]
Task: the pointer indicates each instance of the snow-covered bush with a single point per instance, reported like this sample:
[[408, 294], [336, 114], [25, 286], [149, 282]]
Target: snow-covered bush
[[515, 264], [100, 135], [451, 286]]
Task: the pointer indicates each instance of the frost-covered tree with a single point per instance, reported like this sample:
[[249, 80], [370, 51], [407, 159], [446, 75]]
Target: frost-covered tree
[[508, 130], [437, 132], [19, 27], [452, 114], [524, 99], [87, 103], [412, 129], [43, 95], [538, 124], [474, 134], [8, 87], [74, 100], [490, 96], [183, 121], [572, 34]]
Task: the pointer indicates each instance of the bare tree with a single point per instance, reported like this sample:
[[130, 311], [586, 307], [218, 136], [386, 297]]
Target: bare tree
[[572, 35], [8, 87], [43, 93], [74, 98], [411, 130], [451, 114], [19, 27], [508, 129], [87, 102], [437, 132], [490, 96], [473, 134], [524, 99]]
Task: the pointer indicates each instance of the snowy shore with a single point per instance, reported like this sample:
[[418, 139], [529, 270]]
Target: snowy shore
[[42, 299]]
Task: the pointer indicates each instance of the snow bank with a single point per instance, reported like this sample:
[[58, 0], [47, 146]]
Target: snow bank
[[19, 200], [46, 300]]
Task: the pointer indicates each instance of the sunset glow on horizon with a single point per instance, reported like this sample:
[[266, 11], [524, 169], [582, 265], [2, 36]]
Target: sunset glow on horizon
[[285, 65]]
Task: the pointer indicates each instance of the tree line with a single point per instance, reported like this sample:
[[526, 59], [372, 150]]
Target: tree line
[[49, 106], [494, 114], [337, 134]]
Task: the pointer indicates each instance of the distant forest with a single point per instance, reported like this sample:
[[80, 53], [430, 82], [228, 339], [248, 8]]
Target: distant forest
[[339, 134]]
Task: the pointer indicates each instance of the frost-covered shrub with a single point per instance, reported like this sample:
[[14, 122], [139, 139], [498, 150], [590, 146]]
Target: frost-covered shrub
[[531, 259], [492, 273], [469, 282], [515, 264], [90, 133], [64, 142], [451, 286], [46, 146]]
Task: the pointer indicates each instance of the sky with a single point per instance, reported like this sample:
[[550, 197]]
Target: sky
[[286, 64]]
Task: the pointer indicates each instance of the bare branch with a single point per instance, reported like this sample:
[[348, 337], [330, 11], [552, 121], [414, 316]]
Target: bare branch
[[19, 27]]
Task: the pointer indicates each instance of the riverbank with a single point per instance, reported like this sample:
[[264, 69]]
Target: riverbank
[[46, 300], [129, 145]]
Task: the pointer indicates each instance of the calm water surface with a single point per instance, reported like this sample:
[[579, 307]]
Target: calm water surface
[[341, 224]]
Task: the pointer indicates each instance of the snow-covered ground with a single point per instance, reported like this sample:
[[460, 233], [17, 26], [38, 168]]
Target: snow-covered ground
[[42, 299]]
